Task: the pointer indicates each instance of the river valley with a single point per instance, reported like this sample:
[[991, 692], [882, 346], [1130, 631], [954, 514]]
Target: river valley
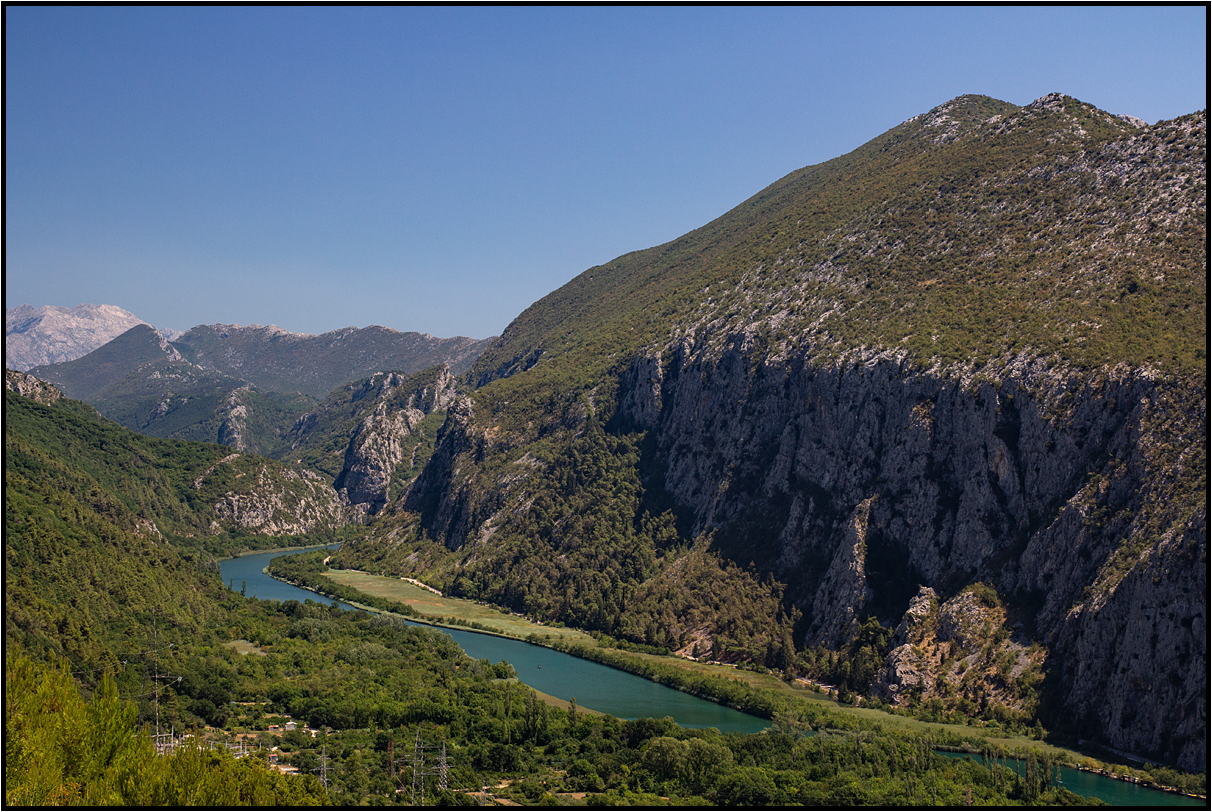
[[609, 690]]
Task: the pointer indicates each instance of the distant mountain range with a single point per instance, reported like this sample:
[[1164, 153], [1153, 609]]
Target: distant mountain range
[[35, 336], [242, 386]]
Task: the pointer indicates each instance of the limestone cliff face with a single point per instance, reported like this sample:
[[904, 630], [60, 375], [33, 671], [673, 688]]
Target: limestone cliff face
[[377, 425], [441, 494], [235, 419], [861, 481], [278, 501], [843, 590]]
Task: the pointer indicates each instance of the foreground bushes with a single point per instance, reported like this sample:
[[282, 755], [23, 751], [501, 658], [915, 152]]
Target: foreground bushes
[[61, 749]]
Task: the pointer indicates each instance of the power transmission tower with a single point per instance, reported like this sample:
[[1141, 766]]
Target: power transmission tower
[[324, 766], [163, 742], [419, 770]]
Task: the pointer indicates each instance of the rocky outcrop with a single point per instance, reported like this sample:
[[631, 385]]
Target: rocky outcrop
[[35, 336], [283, 502], [961, 652], [235, 418], [378, 424], [843, 590], [30, 387], [441, 496]]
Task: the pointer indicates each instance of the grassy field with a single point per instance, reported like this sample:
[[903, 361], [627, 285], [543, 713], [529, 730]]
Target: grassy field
[[245, 647], [438, 608]]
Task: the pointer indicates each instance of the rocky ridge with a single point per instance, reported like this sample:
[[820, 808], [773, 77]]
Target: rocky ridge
[[284, 502], [278, 360], [30, 387]]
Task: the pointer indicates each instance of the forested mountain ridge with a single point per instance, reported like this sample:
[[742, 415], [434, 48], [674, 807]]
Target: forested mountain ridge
[[278, 360], [968, 358], [169, 488]]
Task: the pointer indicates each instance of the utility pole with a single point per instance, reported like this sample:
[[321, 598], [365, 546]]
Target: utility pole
[[418, 769], [154, 649]]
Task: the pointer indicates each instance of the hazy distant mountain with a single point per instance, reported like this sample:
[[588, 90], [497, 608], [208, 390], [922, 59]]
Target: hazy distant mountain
[[84, 377], [281, 361], [240, 386], [34, 336]]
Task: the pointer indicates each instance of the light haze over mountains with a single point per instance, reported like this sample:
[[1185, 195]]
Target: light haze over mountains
[[34, 336]]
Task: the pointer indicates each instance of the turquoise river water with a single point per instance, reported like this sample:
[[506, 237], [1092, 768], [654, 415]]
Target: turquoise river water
[[627, 696]]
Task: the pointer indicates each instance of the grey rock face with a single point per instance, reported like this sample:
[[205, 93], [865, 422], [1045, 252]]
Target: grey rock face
[[30, 387], [291, 503], [843, 590], [385, 411], [860, 482], [231, 430]]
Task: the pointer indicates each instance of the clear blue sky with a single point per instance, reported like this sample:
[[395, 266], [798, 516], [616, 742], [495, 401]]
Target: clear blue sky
[[441, 169]]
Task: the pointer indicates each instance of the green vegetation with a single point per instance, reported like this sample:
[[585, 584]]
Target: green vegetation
[[241, 671], [445, 610], [63, 750], [589, 552]]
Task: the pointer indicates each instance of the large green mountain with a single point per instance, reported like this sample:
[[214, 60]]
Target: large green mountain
[[936, 406], [102, 525]]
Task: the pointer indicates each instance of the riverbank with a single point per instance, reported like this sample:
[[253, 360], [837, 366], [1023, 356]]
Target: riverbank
[[306, 549], [763, 688]]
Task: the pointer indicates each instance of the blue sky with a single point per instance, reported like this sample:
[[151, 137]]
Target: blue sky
[[441, 169]]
